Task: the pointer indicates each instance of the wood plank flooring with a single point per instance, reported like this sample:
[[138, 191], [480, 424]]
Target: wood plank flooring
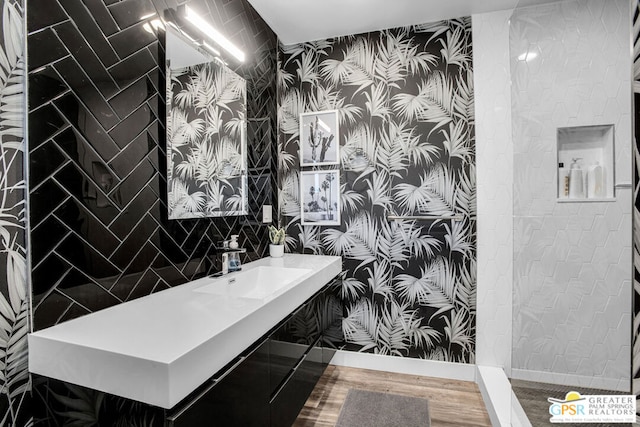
[[451, 402]]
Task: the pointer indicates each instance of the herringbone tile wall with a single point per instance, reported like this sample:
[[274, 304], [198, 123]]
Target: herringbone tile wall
[[97, 181]]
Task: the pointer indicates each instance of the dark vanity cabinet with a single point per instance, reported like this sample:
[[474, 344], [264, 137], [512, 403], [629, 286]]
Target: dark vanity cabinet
[[296, 363], [290, 342], [238, 396], [270, 382], [289, 398]]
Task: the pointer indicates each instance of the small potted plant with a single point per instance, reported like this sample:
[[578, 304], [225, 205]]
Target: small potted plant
[[277, 236]]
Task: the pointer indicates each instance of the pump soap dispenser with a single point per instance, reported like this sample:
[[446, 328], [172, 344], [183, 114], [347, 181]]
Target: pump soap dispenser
[[576, 187]]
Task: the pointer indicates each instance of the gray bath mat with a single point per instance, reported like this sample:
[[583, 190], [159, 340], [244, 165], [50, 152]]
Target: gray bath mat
[[364, 408]]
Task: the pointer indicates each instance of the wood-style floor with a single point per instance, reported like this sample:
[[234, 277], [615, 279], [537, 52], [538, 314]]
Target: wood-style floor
[[451, 402]]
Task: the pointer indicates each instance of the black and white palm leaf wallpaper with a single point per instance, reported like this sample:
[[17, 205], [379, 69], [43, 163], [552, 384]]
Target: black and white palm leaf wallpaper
[[14, 300], [206, 131], [407, 147]]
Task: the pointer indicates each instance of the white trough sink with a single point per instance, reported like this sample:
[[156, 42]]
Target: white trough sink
[[256, 283], [160, 348]]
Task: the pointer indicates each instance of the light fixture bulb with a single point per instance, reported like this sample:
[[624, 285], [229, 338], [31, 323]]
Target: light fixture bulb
[[213, 34], [211, 48]]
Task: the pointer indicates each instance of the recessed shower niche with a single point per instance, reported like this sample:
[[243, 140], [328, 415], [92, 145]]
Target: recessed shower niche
[[585, 163]]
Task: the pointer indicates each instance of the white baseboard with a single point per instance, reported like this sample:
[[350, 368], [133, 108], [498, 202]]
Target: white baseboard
[[572, 380], [405, 365], [503, 407]]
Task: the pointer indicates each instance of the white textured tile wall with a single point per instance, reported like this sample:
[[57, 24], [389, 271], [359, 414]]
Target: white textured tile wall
[[572, 289], [494, 157]]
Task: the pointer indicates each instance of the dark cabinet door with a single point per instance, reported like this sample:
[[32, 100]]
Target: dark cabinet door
[[289, 342], [292, 395], [308, 336], [239, 397]]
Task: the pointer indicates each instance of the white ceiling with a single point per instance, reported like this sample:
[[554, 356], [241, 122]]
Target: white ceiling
[[296, 21]]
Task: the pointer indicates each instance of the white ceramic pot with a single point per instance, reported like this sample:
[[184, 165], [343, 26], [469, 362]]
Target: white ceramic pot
[[276, 251]]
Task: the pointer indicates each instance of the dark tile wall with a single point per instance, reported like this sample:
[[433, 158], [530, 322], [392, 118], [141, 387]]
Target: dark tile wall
[[97, 153]]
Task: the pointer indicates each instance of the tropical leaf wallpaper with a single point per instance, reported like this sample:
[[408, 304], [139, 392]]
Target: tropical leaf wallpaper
[[206, 137], [405, 103], [15, 384]]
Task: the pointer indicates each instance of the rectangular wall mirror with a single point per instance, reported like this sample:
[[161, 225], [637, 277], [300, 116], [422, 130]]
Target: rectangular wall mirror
[[206, 130]]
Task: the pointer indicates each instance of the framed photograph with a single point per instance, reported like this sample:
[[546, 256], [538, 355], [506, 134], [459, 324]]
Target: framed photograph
[[320, 197], [319, 138]]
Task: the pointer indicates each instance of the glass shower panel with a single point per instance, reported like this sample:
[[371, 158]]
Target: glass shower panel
[[572, 312]]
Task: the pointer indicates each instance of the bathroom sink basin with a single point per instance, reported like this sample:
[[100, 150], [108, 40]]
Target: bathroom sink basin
[[256, 283], [131, 356]]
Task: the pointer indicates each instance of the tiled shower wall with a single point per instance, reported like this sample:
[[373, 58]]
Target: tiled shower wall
[[572, 282], [98, 190]]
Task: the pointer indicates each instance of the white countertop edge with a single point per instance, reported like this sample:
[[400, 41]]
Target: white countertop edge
[[165, 383]]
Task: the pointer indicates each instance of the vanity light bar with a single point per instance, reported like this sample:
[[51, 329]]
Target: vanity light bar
[[217, 58], [211, 48], [186, 35], [204, 26]]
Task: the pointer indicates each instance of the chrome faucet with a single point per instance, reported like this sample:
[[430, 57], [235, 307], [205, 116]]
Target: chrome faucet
[[225, 263]]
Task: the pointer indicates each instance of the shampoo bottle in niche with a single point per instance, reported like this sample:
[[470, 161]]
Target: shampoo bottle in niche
[[595, 181], [576, 187], [563, 181]]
